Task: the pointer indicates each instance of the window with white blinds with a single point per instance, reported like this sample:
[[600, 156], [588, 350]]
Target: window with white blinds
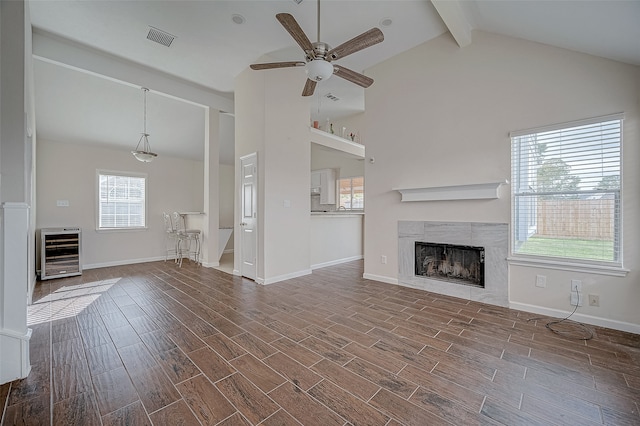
[[566, 195], [121, 200]]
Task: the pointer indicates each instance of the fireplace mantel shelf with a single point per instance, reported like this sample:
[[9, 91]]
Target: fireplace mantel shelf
[[476, 191]]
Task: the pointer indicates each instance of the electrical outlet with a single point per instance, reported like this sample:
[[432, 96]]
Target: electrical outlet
[[576, 285], [594, 300], [383, 259], [575, 299], [541, 281]]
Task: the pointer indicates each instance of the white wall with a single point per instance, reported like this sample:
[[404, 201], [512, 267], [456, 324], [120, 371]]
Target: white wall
[[272, 119], [68, 172], [226, 174], [440, 115], [335, 238], [354, 124], [327, 158]]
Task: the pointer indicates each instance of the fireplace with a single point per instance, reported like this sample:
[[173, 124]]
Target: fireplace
[[449, 262], [443, 270]]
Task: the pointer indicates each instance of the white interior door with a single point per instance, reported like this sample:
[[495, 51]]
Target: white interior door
[[249, 214]]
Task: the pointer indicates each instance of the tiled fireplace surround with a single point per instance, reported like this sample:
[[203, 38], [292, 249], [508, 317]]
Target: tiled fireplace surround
[[492, 236]]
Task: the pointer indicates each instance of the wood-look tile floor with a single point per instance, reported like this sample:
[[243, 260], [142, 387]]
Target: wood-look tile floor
[[156, 344]]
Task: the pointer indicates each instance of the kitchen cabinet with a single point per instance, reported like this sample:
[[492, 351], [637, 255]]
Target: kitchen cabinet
[[324, 182]]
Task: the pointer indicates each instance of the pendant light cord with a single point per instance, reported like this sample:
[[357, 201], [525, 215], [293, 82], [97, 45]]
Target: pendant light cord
[[144, 120]]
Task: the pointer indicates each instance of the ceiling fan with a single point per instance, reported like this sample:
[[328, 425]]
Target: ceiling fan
[[319, 56]]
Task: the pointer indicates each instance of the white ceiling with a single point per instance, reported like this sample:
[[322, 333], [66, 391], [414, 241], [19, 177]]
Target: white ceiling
[[210, 50]]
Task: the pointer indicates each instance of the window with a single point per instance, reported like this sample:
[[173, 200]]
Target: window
[[351, 193], [566, 184], [121, 200]]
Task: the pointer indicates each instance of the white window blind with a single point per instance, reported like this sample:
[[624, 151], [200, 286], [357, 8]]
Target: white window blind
[[121, 201], [566, 183]]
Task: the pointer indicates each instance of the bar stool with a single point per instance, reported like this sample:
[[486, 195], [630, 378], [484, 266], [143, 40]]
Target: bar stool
[[170, 237], [188, 240]]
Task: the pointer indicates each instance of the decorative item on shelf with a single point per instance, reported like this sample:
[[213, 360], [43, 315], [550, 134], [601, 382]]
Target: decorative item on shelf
[[316, 124], [331, 129], [327, 126], [344, 133], [144, 153], [352, 136]]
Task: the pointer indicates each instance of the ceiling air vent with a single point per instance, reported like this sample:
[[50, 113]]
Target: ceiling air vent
[[331, 96], [161, 37]]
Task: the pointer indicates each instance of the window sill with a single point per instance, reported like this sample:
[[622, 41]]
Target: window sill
[[109, 230], [615, 271]]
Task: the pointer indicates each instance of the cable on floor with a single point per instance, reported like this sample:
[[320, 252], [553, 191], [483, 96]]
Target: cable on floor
[[573, 328]]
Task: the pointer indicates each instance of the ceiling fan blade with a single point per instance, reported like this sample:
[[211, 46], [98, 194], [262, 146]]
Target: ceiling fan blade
[[352, 76], [364, 40], [291, 25], [271, 65], [309, 87]]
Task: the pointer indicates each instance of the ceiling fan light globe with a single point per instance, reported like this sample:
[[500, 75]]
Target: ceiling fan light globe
[[319, 70]]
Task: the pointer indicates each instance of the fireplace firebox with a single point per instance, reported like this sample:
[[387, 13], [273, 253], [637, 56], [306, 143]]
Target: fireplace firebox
[[452, 263]]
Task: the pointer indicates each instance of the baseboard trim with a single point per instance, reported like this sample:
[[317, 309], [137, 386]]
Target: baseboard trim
[[380, 278], [227, 251], [336, 262], [284, 277], [123, 262], [588, 319], [210, 264]]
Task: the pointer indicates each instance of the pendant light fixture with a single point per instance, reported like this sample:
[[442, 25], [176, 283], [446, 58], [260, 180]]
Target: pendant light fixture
[[144, 153]]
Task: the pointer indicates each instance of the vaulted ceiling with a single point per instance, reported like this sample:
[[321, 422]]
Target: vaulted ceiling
[[216, 40]]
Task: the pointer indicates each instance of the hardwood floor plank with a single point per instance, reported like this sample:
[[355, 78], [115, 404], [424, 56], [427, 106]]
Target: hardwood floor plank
[[254, 404], [114, 390], [70, 380], [177, 365], [258, 372], [404, 411], [80, 409], [293, 371], [224, 346], [154, 388], [176, 414], [211, 364], [346, 405], [452, 391], [252, 344], [130, 415], [209, 405], [381, 377], [137, 358], [357, 385], [329, 348], [280, 418], [35, 385], [303, 407], [292, 349], [35, 411]]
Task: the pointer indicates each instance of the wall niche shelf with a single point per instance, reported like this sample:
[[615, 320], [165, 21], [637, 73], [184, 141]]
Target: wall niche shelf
[[336, 142], [475, 191]]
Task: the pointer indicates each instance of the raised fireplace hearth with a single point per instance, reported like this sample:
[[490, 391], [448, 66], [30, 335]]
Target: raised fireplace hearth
[[481, 276]]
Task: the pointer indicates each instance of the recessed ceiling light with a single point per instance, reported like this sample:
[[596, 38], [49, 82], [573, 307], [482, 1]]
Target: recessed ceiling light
[[386, 22], [237, 19]]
